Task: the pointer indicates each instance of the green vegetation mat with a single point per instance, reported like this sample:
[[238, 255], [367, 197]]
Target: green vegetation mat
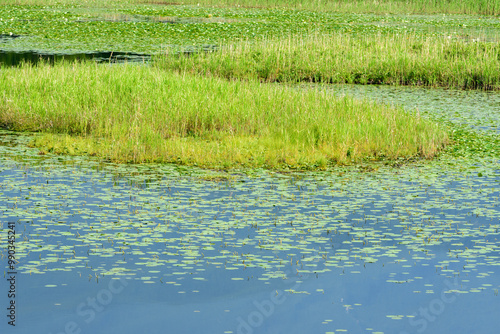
[[485, 7], [153, 28]]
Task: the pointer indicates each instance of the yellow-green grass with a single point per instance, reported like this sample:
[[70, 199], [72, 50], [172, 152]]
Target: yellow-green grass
[[485, 7], [135, 113], [397, 59]]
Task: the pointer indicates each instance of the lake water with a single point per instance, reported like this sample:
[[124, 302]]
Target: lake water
[[106, 248]]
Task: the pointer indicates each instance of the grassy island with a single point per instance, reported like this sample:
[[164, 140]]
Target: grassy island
[[133, 113]]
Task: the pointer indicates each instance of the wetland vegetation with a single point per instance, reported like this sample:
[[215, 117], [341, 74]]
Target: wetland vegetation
[[485, 7], [257, 45], [368, 237], [143, 114], [398, 59]]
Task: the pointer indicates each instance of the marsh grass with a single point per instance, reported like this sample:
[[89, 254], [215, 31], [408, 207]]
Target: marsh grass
[[143, 114], [400, 59], [485, 7]]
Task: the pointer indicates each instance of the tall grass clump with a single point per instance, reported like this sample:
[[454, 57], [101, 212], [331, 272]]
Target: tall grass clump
[[396, 59], [484, 7], [143, 114]]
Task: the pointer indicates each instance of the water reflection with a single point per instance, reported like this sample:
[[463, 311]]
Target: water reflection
[[478, 109], [15, 58]]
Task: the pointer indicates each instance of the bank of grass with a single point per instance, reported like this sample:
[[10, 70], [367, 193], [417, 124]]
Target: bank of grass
[[143, 114], [396, 59]]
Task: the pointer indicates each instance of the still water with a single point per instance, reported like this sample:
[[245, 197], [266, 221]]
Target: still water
[[106, 248]]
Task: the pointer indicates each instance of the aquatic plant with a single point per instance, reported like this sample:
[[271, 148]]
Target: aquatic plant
[[485, 7], [136, 114], [88, 27], [401, 59]]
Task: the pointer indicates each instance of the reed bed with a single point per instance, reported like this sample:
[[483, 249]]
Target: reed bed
[[395, 59], [130, 113]]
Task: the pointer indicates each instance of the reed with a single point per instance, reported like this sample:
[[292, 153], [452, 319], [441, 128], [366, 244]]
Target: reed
[[135, 113], [395, 59]]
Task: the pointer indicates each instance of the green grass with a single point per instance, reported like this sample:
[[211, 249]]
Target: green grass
[[144, 114], [397, 59]]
